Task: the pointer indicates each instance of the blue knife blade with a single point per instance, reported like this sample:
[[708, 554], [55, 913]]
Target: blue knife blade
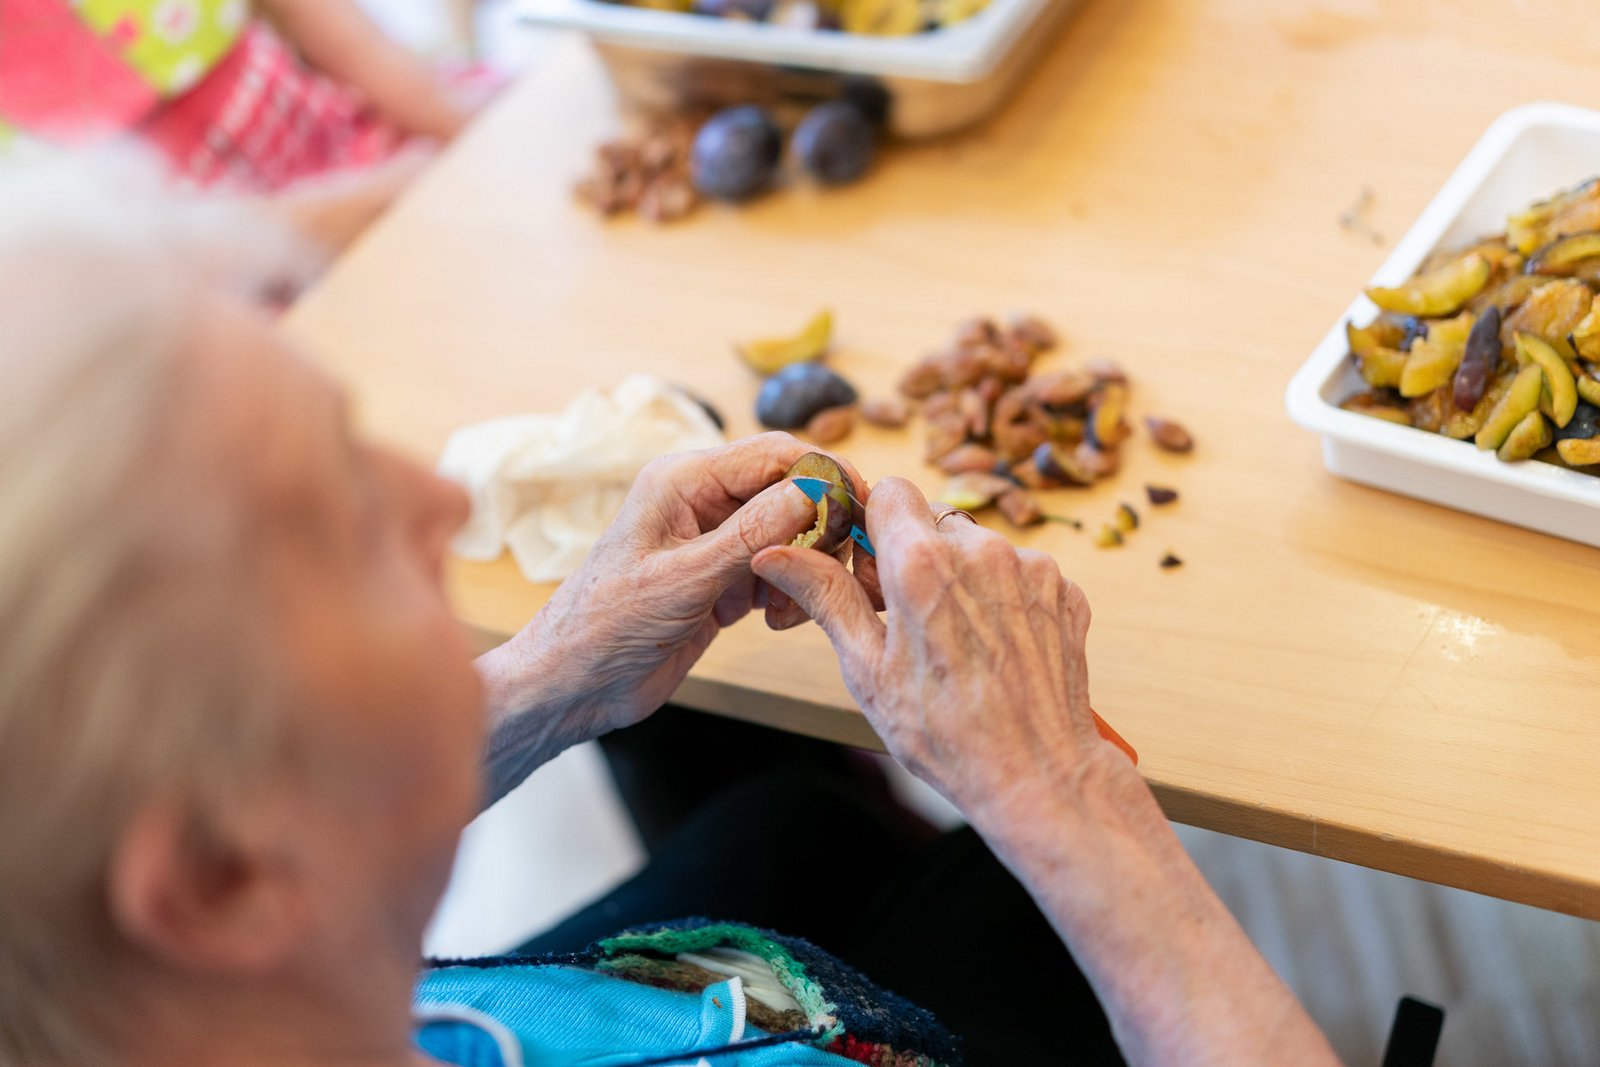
[[816, 488]]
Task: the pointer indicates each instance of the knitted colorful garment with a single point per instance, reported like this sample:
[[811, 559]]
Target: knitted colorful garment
[[829, 1006]]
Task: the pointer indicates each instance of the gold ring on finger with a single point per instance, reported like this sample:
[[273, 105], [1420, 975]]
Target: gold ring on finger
[[943, 515]]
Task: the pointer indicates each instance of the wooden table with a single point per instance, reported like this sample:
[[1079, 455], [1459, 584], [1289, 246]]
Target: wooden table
[[1334, 669]]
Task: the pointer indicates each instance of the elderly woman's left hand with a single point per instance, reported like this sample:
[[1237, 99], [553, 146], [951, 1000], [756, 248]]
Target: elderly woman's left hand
[[620, 635]]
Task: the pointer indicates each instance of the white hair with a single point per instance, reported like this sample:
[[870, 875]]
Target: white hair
[[115, 681]]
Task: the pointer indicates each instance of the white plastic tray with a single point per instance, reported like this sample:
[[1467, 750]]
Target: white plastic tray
[[938, 82], [1527, 155], [965, 52]]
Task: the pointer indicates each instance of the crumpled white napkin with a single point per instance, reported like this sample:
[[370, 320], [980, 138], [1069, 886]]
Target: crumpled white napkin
[[546, 486]]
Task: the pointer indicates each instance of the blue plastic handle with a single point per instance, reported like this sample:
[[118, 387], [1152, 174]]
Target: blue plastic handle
[[815, 489]]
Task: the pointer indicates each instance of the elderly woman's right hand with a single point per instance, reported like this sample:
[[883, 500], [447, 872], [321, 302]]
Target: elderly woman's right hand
[[976, 680]]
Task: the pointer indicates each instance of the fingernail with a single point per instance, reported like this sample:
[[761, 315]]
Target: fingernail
[[769, 561], [803, 505]]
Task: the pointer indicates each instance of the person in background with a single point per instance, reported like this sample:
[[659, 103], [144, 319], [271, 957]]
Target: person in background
[[241, 731], [303, 102]]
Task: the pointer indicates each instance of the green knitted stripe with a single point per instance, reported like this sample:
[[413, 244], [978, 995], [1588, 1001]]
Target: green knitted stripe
[[790, 972]]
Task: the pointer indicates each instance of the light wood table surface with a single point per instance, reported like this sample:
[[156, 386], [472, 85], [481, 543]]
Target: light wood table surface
[[1334, 669]]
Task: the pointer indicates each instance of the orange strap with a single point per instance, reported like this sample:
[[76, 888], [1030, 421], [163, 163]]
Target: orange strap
[[1115, 738]]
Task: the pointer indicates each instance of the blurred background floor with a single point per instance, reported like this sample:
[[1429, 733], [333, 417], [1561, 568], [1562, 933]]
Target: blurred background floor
[[1521, 986]]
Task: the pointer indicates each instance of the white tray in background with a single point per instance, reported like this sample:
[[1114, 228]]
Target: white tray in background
[[939, 82], [1528, 154]]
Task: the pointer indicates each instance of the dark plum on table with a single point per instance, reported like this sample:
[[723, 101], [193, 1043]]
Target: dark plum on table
[[736, 154], [791, 398], [836, 142]]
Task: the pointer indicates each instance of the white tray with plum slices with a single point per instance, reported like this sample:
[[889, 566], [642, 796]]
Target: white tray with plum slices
[[1468, 372]]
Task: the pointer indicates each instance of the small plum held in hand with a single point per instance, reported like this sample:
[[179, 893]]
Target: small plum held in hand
[[736, 153], [836, 142], [835, 511]]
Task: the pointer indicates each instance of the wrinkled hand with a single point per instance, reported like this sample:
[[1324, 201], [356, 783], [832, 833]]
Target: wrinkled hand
[[976, 681], [669, 574]]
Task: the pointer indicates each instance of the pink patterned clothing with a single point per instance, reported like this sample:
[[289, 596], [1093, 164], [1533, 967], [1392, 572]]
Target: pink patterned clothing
[[261, 121], [220, 97]]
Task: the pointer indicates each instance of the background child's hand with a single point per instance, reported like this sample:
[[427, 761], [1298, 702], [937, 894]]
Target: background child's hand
[[339, 40]]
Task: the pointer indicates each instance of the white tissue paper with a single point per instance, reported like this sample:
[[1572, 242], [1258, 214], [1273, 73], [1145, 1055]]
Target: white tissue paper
[[546, 486]]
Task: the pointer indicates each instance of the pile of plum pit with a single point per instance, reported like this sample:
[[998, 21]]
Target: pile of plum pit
[[999, 430]]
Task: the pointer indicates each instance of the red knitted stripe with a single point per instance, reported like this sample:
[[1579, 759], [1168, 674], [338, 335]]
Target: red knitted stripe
[[874, 1055]]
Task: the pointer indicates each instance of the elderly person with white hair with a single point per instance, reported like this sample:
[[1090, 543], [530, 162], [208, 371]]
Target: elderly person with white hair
[[240, 731]]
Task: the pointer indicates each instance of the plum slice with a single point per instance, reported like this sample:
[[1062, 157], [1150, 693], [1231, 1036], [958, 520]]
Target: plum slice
[[1478, 360], [1441, 291], [809, 345], [1559, 384], [1564, 254], [835, 511]]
